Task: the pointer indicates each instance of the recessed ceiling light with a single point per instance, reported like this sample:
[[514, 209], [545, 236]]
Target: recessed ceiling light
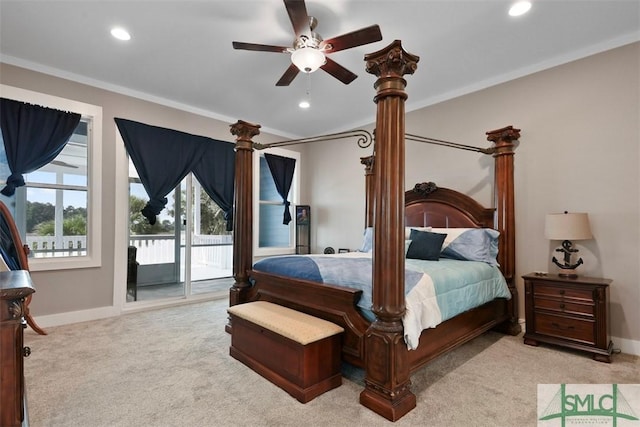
[[120, 33], [520, 8], [304, 104]]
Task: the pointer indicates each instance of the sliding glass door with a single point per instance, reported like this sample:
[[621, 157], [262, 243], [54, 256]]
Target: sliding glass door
[[211, 254], [187, 252]]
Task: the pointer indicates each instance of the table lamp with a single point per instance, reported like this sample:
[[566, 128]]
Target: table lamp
[[567, 227]]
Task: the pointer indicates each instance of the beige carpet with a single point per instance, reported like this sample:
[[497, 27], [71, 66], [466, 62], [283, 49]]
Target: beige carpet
[[171, 367]]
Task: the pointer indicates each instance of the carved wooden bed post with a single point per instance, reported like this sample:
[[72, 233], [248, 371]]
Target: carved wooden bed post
[[387, 367], [504, 144], [243, 210], [369, 188]]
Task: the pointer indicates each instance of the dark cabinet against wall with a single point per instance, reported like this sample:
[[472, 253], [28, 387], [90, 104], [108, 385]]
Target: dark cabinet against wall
[[15, 286], [303, 229]]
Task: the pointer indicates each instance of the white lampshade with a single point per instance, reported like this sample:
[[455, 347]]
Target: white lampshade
[[567, 226], [308, 59]]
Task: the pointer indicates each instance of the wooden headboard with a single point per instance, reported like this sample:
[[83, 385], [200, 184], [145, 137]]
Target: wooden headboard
[[428, 205]]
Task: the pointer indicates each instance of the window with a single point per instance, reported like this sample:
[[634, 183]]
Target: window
[[58, 210], [271, 235]]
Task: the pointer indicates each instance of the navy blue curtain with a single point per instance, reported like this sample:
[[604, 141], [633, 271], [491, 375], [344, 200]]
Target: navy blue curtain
[[162, 157], [282, 169], [216, 174], [33, 136]]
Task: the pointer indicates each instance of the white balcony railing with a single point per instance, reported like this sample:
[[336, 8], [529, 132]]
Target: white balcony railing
[[50, 246], [206, 250], [214, 251]]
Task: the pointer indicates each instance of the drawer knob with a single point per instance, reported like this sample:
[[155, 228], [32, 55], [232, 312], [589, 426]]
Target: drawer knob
[[562, 306], [561, 291], [26, 351]]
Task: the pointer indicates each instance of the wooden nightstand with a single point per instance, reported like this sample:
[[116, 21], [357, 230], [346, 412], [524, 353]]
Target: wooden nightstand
[[569, 312]]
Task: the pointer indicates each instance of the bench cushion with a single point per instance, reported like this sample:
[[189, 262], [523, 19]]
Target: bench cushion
[[297, 326]]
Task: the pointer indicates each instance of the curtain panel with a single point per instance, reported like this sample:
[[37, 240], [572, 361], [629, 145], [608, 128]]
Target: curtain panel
[[282, 169], [33, 136], [163, 157], [216, 173]]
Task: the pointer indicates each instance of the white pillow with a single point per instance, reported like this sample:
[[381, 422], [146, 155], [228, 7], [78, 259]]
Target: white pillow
[[367, 239], [407, 231]]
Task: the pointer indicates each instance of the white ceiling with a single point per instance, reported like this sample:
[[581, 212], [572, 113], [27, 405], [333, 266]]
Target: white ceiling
[[180, 53]]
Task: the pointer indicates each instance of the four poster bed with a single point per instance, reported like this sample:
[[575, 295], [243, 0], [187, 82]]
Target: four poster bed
[[378, 344]]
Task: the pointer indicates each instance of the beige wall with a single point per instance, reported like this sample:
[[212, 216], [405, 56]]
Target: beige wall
[[579, 151], [67, 291]]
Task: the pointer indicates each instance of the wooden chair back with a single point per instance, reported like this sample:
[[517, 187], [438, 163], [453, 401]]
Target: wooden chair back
[[15, 256]]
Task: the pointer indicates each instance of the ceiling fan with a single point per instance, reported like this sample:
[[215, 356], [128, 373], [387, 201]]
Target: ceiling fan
[[309, 51]]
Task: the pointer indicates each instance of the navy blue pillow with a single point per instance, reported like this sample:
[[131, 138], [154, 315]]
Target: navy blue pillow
[[425, 245]]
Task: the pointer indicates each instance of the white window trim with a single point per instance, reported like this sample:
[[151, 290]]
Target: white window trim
[[295, 195], [94, 177]]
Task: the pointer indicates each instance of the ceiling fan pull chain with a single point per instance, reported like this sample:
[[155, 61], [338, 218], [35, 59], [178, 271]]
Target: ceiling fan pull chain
[[306, 102]]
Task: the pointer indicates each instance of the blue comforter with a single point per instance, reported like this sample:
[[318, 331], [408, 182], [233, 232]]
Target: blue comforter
[[435, 290]]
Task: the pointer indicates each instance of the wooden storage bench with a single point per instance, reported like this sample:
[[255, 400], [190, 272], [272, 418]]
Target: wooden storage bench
[[297, 352]]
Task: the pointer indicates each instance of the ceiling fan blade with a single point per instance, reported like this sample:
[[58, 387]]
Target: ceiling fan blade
[[288, 76], [298, 15], [338, 71], [260, 47], [355, 38]]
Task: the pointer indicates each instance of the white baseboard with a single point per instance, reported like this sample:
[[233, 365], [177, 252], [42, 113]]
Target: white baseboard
[[626, 346], [76, 316], [112, 311]]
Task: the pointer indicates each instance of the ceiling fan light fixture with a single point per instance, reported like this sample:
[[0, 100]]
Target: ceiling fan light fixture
[[520, 8], [308, 59], [120, 33]]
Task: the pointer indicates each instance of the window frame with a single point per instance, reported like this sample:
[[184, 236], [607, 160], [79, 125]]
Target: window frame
[[93, 114], [294, 200]]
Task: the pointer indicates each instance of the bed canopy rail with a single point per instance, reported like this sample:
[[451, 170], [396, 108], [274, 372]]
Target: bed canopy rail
[[450, 144], [364, 139]]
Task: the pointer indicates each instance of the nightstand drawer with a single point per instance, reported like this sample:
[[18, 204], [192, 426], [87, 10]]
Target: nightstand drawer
[[566, 328], [563, 292], [585, 308]]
